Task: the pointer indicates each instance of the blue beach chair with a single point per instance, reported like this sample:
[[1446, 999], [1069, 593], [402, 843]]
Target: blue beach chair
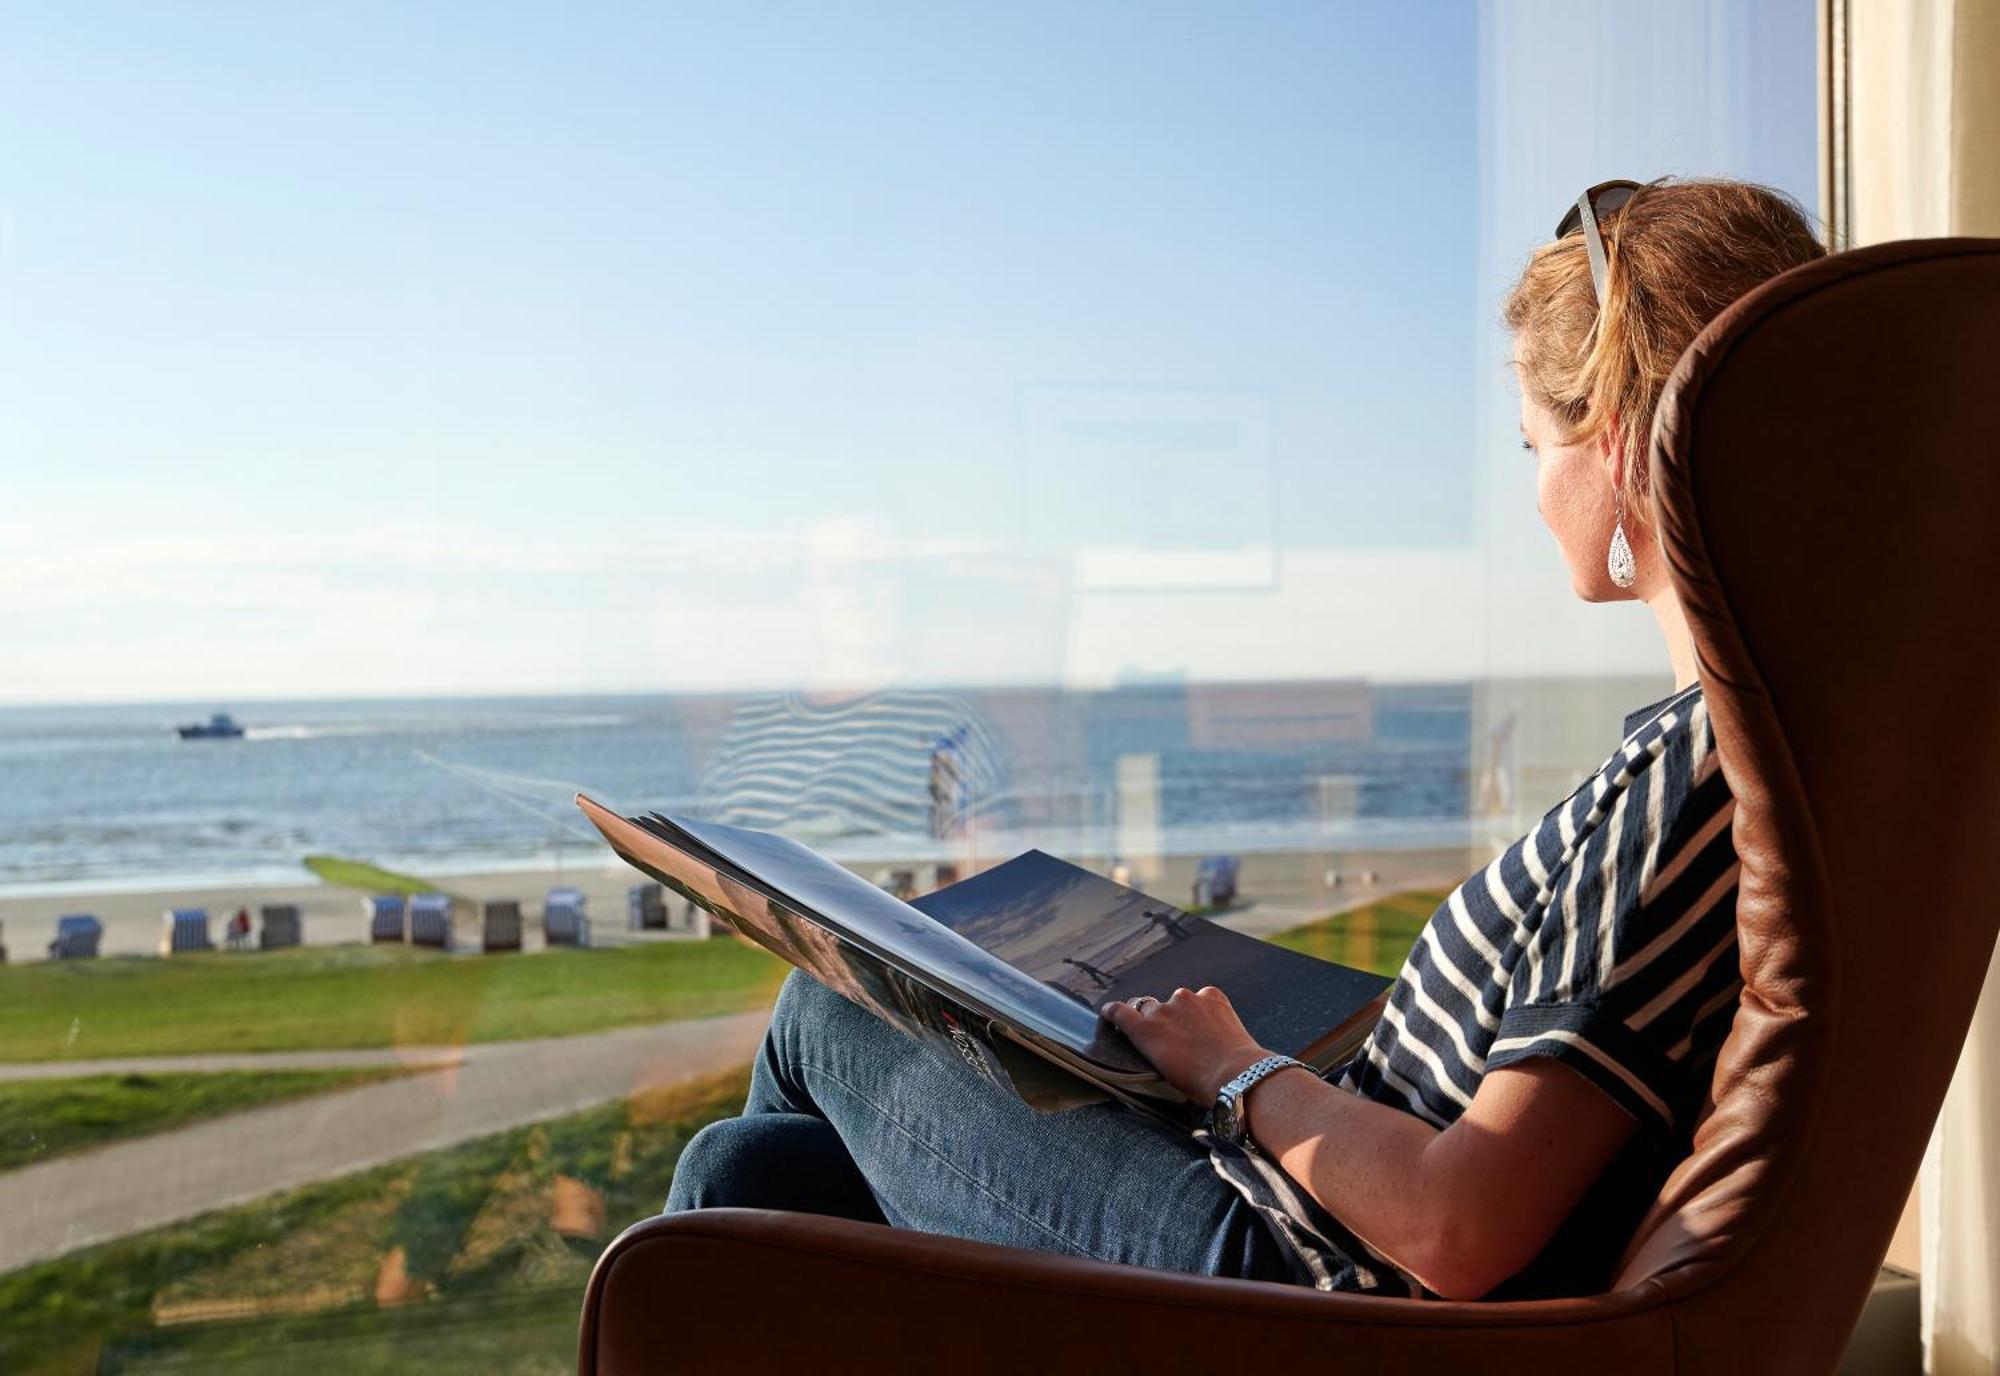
[[1215, 881], [385, 917], [77, 936], [646, 907], [430, 921], [184, 929], [564, 922]]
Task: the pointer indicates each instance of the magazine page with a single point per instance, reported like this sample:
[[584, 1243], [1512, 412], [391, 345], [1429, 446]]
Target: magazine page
[[932, 951], [795, 937], [1090, 939], [1008, 1053]]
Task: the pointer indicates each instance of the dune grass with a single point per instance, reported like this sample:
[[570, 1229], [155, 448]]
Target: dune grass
[[1376, 936], [323, 997], [466, 1260], [40, 1119], [359, 874]]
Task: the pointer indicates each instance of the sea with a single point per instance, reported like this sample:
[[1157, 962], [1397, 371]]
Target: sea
[[106, 797]]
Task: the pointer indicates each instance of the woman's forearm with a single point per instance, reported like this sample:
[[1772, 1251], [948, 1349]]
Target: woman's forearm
[[1370, 1165], [1365, 1163], [1462, 1208]]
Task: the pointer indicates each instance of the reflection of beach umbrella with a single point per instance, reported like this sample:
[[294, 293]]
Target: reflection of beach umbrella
[[947, 784]]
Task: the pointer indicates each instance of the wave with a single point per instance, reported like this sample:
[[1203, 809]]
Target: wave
[[304, 733], [472, 725]]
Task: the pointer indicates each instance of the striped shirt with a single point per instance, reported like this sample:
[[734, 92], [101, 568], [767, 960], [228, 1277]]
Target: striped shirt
[[1604, 939], [899, 763]]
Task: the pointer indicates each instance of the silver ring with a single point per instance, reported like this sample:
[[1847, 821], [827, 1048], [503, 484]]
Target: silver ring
[[1143, 998]]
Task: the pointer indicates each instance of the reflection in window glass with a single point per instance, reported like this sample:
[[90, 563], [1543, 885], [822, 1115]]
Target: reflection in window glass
[[930, 433]]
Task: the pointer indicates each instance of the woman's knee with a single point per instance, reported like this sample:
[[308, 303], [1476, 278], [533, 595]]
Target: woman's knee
[[809, 1019], [709, 1170], [804, 1004], [770, 1161]]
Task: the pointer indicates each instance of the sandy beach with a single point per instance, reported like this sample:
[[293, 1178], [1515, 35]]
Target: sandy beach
[[1277, 891], [331, 915]]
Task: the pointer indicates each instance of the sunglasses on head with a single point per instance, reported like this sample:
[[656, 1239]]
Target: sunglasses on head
[[1601, 199]]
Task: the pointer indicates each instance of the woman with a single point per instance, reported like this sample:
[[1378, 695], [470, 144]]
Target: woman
[[1549, 1041]]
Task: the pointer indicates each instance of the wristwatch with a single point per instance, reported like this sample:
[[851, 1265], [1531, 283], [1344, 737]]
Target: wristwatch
[[1227, 1119]]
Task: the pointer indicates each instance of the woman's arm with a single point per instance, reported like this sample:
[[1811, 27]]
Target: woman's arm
[[1462, 1209]]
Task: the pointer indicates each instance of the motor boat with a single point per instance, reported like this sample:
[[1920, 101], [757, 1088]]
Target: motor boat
[[221, 726]]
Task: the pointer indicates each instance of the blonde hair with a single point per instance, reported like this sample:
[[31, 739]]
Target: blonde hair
[[1678, 253]]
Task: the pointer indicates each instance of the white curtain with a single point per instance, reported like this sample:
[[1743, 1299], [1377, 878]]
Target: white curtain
[[1924, 120]]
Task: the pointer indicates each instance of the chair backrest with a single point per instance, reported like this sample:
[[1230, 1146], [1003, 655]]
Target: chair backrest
[[430, 920], [282, 926], [646, 906], [1828, 483], [385, 917], [564, 922], [77, 935], [500, 925], [184, 929]]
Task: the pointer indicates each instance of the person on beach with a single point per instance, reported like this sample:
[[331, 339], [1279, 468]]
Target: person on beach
[[1547, 1046]]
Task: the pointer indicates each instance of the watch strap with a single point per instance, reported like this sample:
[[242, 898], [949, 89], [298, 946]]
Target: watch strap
[[1227, 1117]]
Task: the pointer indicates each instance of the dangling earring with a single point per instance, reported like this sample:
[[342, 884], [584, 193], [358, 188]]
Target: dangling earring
[[1619, 562]]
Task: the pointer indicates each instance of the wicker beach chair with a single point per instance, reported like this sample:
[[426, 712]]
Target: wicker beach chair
[[77, 936], [681, 915], [500, 925], [430, 921], [385, 917], [646, 907], [1215, 881], [184, 929], [564, 922], [282, 926]]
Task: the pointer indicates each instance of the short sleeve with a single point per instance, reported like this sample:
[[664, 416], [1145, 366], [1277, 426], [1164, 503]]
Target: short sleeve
[[1631, 976]]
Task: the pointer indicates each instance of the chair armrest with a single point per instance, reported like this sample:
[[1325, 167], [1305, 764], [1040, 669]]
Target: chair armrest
[[755, 1290]]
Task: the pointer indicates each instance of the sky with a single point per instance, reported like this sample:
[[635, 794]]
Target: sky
[[373, 349]]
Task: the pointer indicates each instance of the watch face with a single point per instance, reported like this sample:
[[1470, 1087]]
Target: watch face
[[1227, 1125]]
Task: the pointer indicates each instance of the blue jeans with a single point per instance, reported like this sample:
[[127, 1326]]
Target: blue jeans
[[849, 1117]]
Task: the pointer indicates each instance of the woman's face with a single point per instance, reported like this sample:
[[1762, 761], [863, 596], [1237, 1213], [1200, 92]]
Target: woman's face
[[1573, 493]]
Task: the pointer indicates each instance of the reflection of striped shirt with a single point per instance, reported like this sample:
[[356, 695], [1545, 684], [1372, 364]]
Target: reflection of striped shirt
[[901, 762], [1606, 940]]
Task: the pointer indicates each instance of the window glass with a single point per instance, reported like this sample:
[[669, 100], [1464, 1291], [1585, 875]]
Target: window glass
[[930, 432]]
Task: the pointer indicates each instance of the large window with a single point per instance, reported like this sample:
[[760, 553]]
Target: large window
[[929, 431]]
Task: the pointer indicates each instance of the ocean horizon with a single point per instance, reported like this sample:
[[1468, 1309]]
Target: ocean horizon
[[107, 797]]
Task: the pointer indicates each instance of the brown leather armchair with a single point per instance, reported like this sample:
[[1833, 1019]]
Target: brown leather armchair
[[1829, 485]]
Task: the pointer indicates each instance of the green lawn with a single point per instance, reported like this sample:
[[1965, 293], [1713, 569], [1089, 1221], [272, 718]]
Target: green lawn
[[452, 1262], [312, 998], [359, 874], [1374, 937], [44, 1118], [465, 1238]]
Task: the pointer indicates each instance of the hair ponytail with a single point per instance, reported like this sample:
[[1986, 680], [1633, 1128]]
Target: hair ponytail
[[1676, 255]]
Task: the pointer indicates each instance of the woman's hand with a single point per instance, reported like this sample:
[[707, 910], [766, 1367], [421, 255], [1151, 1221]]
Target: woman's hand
[[1194, 1039]]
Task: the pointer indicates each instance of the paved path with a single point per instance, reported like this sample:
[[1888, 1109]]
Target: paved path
[[411, 1057], [128, 1187], [465, 1092]]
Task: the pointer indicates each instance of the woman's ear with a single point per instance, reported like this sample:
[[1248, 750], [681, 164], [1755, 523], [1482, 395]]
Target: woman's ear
[[1611, 448]]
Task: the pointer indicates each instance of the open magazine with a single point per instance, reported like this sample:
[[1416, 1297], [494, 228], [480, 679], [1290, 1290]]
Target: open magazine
[[1008, 968]]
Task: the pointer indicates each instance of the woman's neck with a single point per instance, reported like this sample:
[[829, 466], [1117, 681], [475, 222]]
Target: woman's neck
[[1666, 609]]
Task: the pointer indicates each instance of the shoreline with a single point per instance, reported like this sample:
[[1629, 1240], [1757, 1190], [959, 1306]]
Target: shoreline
[[585, 853], [1278, 889]]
